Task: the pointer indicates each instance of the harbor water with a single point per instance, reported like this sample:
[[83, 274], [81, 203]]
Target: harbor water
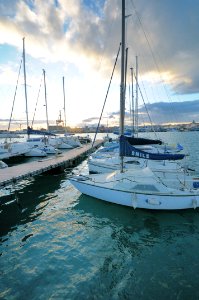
[[59, 244]]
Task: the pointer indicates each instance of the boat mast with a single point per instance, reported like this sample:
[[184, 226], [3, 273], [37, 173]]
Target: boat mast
[[64, 105], [25, 87], [44, 74], [122, 84], [132, 105], [125, 72], [136, 102]]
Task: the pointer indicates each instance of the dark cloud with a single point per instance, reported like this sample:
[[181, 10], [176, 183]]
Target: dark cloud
[[90, 120], [104, 120], [164, 112]]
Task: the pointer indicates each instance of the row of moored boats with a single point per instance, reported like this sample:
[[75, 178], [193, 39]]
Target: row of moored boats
[[37, 147]]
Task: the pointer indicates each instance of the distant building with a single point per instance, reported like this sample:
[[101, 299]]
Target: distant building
[[56, 128]]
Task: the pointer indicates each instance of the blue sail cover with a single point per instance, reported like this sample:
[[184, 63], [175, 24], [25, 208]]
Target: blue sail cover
[[127, 149], [142, 141], [137, 140], [38, 132], [127, 132]]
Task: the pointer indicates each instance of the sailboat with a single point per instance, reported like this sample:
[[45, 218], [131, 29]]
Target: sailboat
[[138, 188], [42, 143], [68, 139], [15, 151], [34, 151], [150, 152], [107, 159]]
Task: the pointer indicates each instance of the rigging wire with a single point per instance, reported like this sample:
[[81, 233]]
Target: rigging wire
[[153, 56], [106, 95], [146, 108], [155, 62], [37, 101], [15, 94]]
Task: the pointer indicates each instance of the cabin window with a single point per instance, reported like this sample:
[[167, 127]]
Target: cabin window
[[146, 187], [132, 162]]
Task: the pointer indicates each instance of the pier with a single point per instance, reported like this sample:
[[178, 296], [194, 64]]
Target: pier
[[64, 160]]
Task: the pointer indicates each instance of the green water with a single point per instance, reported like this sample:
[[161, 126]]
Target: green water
[[59, 244]]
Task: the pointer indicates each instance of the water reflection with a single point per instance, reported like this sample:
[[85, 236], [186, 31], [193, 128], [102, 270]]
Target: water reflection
[[144, 252], [24, 204], [70, 246], [156, 224]]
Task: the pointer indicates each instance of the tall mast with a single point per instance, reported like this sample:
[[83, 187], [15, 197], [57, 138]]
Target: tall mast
[[44, 74], [132, 101], [136, 103], [25, 87], [64, 104], [125, 73], [122, 84]]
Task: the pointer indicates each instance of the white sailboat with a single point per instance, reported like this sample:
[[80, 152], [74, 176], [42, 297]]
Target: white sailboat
[[69, 139], [17, 150], [42, 143], [12, 150], [65, 142], [33, 151], [138, 188]]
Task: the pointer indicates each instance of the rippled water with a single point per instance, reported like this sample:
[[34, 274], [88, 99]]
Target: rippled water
[[59, 244]]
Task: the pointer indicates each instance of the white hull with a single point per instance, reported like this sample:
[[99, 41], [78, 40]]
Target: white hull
[[98, 166], [72, 141], [11, 150], [43, 145], [107, 165], [58, 143], [3, 165], [64, 146], [50, 150], [35, 152], [116, 188], [10, 155]]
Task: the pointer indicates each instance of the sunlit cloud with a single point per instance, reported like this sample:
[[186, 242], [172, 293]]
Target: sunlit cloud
[[80, 40]]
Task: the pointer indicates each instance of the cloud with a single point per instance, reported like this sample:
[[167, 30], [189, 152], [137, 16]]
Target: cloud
[[55, 32], [165, 112], [171, 30], [86, 36]]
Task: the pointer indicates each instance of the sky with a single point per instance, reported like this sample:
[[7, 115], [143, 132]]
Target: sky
[[79, 40]]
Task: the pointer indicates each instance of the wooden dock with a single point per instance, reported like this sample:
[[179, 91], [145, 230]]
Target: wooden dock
[[67, 159]]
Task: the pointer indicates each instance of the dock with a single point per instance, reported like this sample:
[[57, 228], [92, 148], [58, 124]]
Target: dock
[[67, 159]]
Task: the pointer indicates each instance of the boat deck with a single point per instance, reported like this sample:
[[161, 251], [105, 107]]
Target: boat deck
[[64, 160]]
